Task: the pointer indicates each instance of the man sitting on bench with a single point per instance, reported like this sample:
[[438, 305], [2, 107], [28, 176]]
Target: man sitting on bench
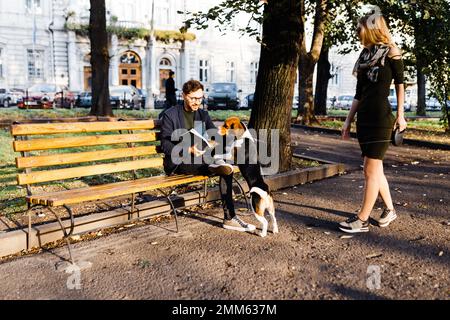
[[188, 116]]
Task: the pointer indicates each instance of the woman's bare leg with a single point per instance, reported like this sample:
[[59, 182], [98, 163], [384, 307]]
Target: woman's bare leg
[[385, 193], [373, 168]]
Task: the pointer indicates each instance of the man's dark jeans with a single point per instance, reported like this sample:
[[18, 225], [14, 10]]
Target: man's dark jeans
[[226, 185]]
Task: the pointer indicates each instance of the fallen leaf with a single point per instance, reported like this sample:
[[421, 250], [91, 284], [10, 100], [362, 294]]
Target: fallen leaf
[[374, 255], [154, 243], [326, 232], [441, 253], [346, 237], [415, 162]]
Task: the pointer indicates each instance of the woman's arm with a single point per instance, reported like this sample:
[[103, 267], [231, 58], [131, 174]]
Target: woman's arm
[[398, 70], [348, 122], [400, 121]]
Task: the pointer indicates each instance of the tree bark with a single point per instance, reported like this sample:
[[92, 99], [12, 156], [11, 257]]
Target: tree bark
[[282, 30], [421, 90], [308, 60], [323, 77], [99, 59], [305, 87]]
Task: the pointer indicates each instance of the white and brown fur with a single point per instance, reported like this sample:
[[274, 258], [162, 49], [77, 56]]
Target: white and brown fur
[[260, 197]]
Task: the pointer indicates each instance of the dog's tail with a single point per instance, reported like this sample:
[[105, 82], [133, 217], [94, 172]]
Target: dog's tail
[[267, 198]]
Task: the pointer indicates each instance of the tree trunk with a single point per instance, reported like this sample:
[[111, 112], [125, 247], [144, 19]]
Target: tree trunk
[[282, 30], [421, 90], [305, 88], [99, 59], [323, 77], [308, 60]]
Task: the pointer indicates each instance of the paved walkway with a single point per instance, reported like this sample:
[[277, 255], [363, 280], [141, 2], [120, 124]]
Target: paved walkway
[[308, 259]]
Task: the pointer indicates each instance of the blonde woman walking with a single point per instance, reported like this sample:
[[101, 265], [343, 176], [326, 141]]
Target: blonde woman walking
[[379, 63]]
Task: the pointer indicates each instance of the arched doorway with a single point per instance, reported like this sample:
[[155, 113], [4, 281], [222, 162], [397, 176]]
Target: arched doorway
[[87, 72], [130, 70], [165, 65]]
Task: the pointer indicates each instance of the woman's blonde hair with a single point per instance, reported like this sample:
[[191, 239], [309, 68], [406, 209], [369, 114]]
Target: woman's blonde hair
[[374, 30]]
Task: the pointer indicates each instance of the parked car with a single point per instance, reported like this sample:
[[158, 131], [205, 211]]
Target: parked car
[[344, 102], [223, 95], [247, 102], [10, 97], [295, 102], [84, 100], [432, 104], [142, 97], [393, 103], [47, 96], [125, 97]]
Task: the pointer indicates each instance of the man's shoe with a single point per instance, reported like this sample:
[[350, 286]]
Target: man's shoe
[[387, 217], [221, 168], [354, 225], [237, 224]]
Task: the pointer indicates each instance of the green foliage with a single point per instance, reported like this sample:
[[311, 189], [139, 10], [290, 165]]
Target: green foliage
[[223, 14], [165, 36], [168, 36]]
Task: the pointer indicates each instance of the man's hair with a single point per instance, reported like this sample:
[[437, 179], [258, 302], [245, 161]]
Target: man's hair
[[191, 86], [171, 73]]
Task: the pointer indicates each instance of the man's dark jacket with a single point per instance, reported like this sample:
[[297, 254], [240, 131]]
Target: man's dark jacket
[[173, 119]]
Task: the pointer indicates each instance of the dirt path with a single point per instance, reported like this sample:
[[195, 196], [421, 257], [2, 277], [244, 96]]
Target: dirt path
[[308, 259]]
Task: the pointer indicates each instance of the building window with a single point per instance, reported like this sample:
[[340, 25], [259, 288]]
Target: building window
[[1, 63], [35, 64], [203, 69], [165, 62], [162, 13], [231, 72], [253, 72], [33, 5], [336, 74]]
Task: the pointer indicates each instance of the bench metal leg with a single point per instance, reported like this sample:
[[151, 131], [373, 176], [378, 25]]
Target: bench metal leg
[[29, 226], [174, 210], [70, 233]]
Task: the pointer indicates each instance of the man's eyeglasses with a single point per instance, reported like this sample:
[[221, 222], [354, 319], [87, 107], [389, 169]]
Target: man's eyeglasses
[[194, 99]]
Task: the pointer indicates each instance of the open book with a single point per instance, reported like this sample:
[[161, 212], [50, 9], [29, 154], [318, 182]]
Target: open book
[[196, 133]]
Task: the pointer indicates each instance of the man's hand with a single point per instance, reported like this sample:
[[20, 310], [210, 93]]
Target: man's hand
[[196, 152]]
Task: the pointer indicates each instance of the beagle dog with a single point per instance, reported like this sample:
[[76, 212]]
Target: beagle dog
[[261, 198]]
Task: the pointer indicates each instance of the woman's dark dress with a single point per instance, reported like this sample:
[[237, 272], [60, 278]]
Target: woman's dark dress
[[375, 120]]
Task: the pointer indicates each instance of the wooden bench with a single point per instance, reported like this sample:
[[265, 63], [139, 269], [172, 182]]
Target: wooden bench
[[89, 149]]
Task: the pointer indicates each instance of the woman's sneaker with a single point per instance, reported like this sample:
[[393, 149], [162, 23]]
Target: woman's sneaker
[[354, 225], [387, 217], [237, 224]]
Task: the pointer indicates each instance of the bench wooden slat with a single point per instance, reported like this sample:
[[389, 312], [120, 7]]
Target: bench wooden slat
[[70, 158], [87, 194], [106, 187], [70, 142], [61, 174], [78, 127]]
